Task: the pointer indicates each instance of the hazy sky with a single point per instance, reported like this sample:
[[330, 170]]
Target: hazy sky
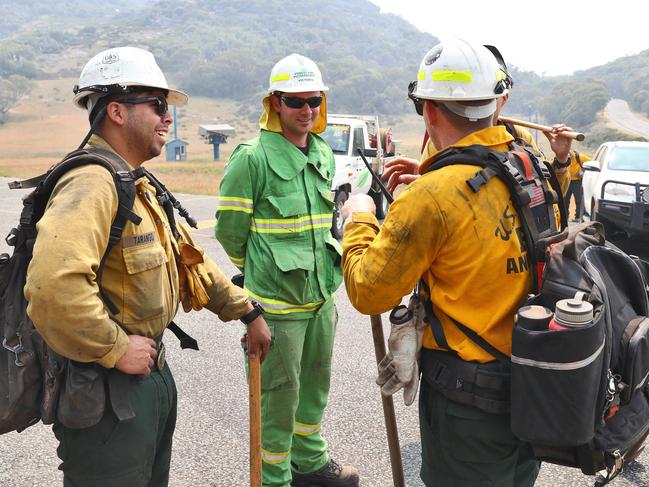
[[548, 36]]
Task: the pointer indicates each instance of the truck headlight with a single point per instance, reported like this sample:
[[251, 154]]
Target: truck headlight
[[618, 190], [645, 195]]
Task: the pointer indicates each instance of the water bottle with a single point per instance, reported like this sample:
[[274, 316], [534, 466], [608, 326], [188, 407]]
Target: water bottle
[[533, 317], [571, 313]]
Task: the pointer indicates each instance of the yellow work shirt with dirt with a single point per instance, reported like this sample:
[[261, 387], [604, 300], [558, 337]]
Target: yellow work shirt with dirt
[[524, 138], [141, 273], [465, 245], [576, 168]]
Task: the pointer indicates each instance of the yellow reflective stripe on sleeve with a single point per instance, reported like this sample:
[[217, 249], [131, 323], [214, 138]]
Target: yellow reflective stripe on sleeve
[[235, 198], [281, 77], [239, 262], [234, 204], [291, 225], [275, 306], [421, 75], [452, 75], [273, 457], [306, 429]]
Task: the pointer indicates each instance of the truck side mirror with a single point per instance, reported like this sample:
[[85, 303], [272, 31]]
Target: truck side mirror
[[591, 166], [369, 152]]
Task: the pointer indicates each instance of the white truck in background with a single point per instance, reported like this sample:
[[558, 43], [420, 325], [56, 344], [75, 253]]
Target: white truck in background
[[346, 134]]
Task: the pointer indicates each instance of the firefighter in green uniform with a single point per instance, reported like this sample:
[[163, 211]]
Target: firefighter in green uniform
[[274, 220]]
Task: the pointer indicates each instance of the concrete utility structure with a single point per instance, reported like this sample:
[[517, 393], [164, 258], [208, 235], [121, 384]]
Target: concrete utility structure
[[215, 135]]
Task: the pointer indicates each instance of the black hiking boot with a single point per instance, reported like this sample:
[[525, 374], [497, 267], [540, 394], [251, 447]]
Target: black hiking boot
[[331, 475]]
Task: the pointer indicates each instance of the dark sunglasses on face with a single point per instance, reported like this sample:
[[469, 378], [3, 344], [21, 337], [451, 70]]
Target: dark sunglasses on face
[[297, 102], [161, 106], [419, 103]]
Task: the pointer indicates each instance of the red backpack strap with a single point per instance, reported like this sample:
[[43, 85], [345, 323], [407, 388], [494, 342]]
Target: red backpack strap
[[526, 161]]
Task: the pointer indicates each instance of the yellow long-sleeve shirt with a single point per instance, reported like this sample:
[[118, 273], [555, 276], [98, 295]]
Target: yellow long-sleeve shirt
[[140, 274], [465, 245]]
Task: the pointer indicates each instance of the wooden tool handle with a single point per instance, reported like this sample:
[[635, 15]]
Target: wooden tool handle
[[254, 398], [388, 408], [543, 128]]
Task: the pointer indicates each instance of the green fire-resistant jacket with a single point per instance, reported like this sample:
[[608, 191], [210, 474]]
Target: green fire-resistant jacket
[[274, 221]]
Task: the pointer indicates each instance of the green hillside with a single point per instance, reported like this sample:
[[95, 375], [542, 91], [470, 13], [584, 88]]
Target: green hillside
[[225, 49]]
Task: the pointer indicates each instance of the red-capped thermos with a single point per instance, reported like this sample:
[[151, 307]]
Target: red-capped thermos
[[571, 313]]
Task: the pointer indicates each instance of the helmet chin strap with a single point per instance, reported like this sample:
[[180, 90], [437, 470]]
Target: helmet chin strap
[[93, 127]]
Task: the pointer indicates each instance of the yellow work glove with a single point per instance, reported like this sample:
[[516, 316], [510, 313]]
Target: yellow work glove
[[194, 277]]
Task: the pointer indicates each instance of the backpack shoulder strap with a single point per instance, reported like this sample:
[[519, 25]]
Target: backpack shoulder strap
[[578, 159], [511, 130], [524, 175], [124, 186]]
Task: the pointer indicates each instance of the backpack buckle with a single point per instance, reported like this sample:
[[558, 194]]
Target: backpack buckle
[[125, 176], [477, 181], [12, 237], [15, 350]]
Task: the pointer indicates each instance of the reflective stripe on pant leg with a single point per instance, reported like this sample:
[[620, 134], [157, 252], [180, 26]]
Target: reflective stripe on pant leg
[[309, 451], [279, 397]]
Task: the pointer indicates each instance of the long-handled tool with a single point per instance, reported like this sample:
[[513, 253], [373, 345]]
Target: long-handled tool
[[376, 177], [379, 351], [543, 128], [254, 400], [388, 408]]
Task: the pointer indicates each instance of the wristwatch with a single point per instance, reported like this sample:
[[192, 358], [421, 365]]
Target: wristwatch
[[253, 314]]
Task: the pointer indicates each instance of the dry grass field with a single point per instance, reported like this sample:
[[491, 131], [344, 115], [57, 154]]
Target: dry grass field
[[45, 126]]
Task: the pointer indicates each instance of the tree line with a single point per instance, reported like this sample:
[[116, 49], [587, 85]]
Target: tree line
[[226, 49]]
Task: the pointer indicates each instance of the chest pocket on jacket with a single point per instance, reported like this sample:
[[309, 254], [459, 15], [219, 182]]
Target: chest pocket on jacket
[[293, 219], [147, 285], [288, 205]]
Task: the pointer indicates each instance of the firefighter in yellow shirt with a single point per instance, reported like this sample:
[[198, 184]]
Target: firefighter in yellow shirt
[[576, 171], [402, 170], [106, 316], [466, 247]]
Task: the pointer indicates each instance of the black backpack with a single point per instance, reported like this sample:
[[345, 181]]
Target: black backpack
[[578, 396], [30, 372]]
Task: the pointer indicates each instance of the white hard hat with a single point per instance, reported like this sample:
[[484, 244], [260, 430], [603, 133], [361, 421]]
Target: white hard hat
[[457, 71], [116, 70], [295, 74]]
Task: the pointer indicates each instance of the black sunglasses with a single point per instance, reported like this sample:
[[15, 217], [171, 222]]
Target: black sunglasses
[[162, 107], [297, 102], [419, 103]]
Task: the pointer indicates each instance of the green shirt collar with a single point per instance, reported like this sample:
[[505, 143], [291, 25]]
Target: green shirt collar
[[287, 161]]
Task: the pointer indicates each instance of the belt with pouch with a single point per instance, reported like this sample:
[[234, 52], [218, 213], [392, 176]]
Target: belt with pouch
[[484, 386], [161, 357]]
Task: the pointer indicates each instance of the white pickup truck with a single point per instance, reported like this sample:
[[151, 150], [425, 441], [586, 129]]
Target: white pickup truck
[[346, 134]]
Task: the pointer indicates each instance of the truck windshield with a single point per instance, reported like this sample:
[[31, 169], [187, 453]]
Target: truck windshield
[[629, 159], [337, 136]]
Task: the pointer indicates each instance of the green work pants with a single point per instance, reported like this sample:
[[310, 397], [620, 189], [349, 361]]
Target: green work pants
[[463, 446], [295, 380], [133, 453]]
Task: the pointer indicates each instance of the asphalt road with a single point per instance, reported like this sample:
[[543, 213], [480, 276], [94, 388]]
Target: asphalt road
[[211, 441], [619, 113]]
